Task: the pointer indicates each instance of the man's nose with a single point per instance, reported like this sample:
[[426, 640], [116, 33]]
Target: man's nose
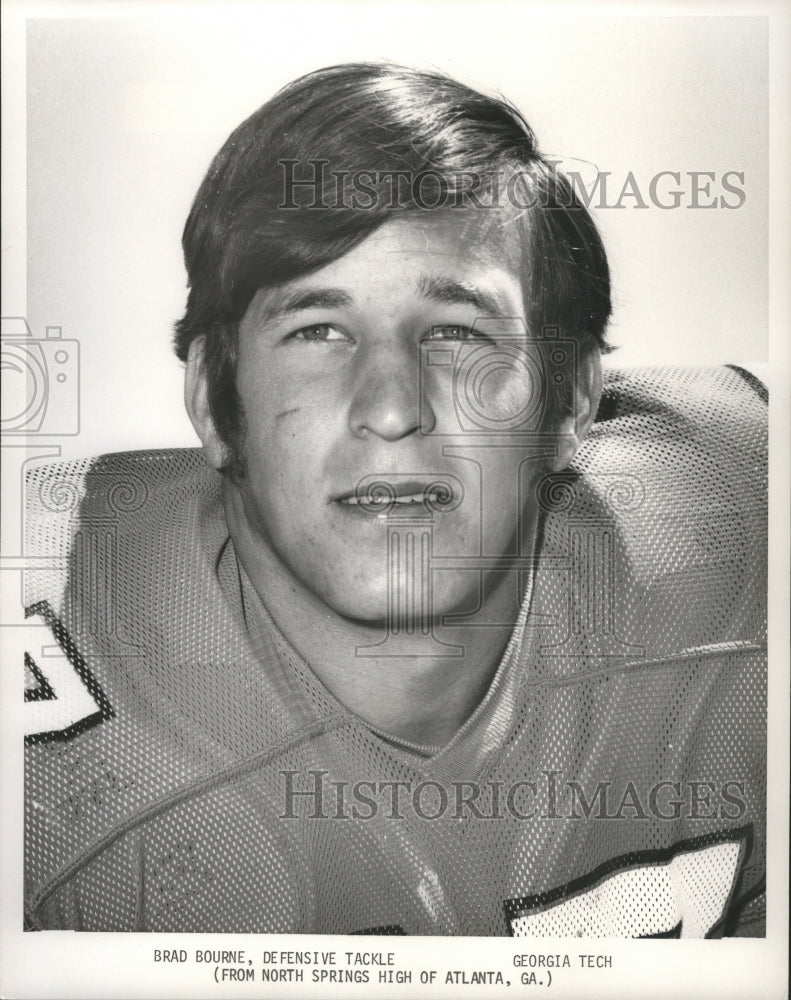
[[386, 394]]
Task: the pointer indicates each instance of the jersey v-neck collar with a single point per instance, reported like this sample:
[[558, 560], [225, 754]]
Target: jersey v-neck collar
[[468, 752]]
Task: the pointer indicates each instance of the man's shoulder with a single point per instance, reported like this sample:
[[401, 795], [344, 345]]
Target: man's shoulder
[[124, 483], [658, 534], [686, 400], [143, 692], [125, 502], [690, 441]]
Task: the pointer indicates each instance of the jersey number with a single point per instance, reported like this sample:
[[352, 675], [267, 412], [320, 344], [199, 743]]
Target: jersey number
[[62, 697], [683, 891]]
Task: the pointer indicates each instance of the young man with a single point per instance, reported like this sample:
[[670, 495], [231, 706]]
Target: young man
[[415, 646]]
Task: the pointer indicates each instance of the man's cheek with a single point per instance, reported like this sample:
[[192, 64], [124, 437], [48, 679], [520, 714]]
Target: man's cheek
[[280, 441]]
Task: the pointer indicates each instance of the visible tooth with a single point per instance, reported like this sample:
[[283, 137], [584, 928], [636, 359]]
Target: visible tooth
[[370, 501], [377, 501]]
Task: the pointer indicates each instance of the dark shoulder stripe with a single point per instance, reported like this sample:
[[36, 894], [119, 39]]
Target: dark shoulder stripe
[[753, 381]]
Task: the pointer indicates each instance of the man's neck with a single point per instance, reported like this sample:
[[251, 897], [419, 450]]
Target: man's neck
[[416, 685]]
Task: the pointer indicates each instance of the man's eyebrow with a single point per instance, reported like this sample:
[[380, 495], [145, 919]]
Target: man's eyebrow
[[437, 288], [451, 290], [282, 303]]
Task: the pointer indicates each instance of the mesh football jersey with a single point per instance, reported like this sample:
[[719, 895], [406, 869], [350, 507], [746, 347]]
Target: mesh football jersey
[[187, 771]]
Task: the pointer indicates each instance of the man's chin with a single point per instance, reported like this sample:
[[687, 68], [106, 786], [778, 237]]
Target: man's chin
[[406, 612], [369, 609]]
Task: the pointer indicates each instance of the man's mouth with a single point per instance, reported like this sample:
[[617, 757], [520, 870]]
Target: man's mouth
[[380, 499], [377, 495]]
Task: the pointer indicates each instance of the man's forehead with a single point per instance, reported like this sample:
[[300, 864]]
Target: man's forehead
[[483, 235], [452, 256]]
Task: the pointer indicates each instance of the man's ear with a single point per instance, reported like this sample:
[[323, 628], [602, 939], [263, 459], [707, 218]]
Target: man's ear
[[587, 393], [196, 400]]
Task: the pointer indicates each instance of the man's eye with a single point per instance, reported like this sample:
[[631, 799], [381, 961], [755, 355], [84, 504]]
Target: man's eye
[[454, 331], [320, 333]]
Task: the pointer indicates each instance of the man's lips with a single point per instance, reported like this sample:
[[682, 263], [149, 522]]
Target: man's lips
[[378, 494]]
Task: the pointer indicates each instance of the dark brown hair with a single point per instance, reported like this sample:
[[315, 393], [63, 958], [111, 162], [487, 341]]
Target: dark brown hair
[[337, 153]]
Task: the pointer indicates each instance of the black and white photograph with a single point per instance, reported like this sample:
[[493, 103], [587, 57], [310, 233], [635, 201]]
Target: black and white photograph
[[395, 500]]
